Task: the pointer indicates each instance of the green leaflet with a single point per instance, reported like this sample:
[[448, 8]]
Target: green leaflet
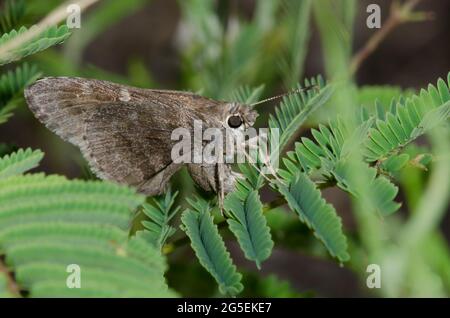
[[329, 154], [226, 60], [376, 99], [11, 14], [408, 120], [12, 84], [51, 36], [246, 94], [210, 248], [19, 162], [253, 181], [158, 229], [249, 225], [383, 191], [297, 22], [295, 108], [395, 163], [305, 199], [36, 197], [40, 254], [331, 144], [247, 221], [49, 222]]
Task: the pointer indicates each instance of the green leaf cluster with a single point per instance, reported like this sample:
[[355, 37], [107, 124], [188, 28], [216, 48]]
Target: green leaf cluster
[[209, 247]]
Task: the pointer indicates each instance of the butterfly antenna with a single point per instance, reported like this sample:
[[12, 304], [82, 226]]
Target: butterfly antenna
[[294, 91]]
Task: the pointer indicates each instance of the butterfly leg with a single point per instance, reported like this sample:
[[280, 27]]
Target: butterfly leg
[[220, 186]]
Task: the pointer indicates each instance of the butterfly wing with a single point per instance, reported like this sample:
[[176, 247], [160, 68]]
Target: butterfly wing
[[123, 132]]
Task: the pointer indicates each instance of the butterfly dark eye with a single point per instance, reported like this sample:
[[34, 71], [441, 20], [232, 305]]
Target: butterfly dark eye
[[234, 121]]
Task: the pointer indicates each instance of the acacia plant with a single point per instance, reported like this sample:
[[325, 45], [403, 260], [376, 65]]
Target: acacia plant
[[358, 139]]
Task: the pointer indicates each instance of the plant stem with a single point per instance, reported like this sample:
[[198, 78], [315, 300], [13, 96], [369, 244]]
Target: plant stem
[[398, 15], [12, 286]]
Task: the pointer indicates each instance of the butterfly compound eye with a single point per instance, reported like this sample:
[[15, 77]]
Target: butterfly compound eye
[[234, 121]]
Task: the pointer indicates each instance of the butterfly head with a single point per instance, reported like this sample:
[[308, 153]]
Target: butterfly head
[[239, 116]]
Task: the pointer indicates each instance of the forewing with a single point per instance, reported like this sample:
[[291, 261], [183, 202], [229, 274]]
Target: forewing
[[123, 132]]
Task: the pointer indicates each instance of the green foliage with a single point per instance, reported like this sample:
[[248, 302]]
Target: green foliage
[[49, 37], [331, 155], [332, 144], [111, 264], [11, 88], [290, 115], [335, 20], [248, 224], [384, 191], [295, 108], [297, 23], [395, 163], [304, 198], [227, 56], [210, 248], [368, 96], [409, 120], [245, 211], [19, 162], [11, 15], [246, 94], [253, 180], [49, 222], [160, 213], [92, 202]]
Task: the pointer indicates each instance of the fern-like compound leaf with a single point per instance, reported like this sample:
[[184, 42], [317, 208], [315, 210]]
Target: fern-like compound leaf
[[209, 247], [295, 109], [383, 191], [408, 120], [305, 199], [13, 82], [49, 37], [49, 224], [12, 85], [395, 163], [246, 94], [37, 197], [329, 154], [249, 225], [160, 213], [19, 162], [11, 14]]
